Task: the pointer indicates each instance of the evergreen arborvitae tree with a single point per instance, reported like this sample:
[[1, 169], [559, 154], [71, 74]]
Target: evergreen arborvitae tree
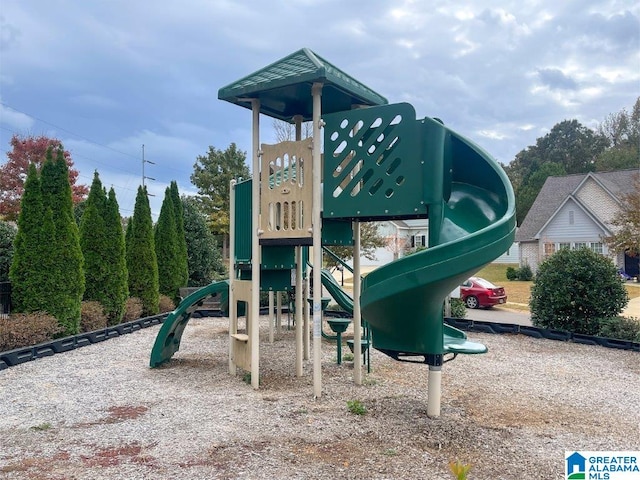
[[167, 249], [93, 241], [66, 275], [183, 264], [141, 255], [27, 275], [117, 281]]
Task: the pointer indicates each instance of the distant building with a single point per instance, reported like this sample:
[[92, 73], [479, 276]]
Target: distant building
[[575, 211]]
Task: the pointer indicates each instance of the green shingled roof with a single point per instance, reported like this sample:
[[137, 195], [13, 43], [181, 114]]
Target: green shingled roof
[[284, 88]]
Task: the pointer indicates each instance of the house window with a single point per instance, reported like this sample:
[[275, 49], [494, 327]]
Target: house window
[[418, 241], [597, 247], [549, 249], [579, 245], [564, 246], [571, 217]]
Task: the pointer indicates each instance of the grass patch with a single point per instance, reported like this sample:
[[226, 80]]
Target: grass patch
[[42, 427], [356, 407]]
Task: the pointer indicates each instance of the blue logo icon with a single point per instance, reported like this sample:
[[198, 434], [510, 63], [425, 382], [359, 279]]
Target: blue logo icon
[[576, 466]]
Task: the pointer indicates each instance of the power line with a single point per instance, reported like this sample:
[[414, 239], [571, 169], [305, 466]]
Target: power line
[[68, 131], [76, 135]]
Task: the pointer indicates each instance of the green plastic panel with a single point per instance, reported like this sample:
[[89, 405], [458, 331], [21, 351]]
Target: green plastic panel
[[243, 223], [275, 280], [373, 166], [337, 232], [278, 257]]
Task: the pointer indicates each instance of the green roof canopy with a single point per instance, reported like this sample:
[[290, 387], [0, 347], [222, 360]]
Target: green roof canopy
[[284, 88]]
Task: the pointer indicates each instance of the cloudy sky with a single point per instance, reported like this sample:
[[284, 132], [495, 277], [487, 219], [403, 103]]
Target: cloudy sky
[[106, 77]]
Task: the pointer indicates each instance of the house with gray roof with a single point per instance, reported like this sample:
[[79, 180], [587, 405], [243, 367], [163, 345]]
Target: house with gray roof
[[575, 211]]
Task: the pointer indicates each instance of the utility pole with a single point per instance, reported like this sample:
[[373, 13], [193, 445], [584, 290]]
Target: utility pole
[[143, 175]]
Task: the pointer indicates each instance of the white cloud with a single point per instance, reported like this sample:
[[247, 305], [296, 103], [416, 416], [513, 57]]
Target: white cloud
[[15, 120]]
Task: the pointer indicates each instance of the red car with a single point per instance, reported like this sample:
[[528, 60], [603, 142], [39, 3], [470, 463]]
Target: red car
[[477, 292]]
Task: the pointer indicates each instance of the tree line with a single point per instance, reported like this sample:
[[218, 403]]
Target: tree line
[[571, 148]]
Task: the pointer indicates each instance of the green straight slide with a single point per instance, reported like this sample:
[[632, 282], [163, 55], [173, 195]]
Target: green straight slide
[[168, 340], [471, 223]]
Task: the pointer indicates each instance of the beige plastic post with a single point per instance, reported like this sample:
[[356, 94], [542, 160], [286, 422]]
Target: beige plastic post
[[316, 92], [254, 326], [233, 317], [357, 326], [434, 389]]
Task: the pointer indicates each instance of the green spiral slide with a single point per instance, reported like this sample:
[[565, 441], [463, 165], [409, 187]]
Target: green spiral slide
[[470, 225]]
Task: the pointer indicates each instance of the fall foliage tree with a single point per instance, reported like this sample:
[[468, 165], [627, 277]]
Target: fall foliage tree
[[25, 151], [627, 223]]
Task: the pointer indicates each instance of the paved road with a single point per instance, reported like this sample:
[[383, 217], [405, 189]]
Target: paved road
[[499, 315]]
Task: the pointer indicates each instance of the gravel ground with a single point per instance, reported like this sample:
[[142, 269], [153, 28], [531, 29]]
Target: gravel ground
[[99, 412]]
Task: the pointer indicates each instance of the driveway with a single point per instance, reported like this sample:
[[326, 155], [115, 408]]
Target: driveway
[[499, 315]]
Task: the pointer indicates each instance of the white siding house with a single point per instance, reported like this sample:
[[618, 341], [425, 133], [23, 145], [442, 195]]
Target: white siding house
[[574, 211]]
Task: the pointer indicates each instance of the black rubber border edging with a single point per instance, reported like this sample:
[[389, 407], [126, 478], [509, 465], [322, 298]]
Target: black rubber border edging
[[17, 356], [536, 332]]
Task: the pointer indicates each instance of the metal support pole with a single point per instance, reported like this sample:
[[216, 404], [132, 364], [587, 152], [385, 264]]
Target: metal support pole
[[299, 314], [316, 92], [233, 317], [271, 316], [254, 315], [357, 321], [434, 389], [307, 322]]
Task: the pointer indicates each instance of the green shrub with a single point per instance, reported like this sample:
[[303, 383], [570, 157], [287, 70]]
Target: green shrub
[[525, 274], [92, 316], [621, 328], [132, 310], [24, 329], [458, 308], [574, 289], [7, 236], [165, 304]]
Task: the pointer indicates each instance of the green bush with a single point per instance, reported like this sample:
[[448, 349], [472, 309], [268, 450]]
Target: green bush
[[92, 316], [574, 290], [525, 274], [24, 329], [621, 328], [132, 310], [458, 308]]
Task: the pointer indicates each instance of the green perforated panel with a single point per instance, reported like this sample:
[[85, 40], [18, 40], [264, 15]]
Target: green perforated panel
[[243, 223], [372, 164]]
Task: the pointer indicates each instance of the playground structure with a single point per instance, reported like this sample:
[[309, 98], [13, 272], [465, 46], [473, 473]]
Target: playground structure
[[378, 163]]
